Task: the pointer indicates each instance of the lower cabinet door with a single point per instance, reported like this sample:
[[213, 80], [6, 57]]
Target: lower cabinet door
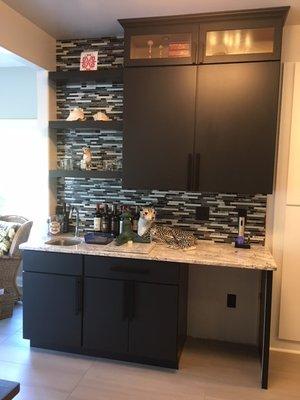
[[153, 326], [52, 309], [105, 323]]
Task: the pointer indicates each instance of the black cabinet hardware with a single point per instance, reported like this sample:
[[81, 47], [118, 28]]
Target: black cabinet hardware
[[190, 172], [130, 270], [126, 302], [132, 301], [196, 172], [78, 296]]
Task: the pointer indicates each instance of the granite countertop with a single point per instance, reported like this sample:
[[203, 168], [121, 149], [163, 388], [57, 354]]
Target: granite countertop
[[206, 253]]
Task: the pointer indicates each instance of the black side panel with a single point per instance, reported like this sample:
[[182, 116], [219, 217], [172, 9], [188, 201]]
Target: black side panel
[[154, 323], [106, 307], [52, 263], [159, 105], [236, 126], [52, 309]]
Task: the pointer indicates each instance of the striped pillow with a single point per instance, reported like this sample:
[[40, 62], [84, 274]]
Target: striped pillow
[[7, 233]]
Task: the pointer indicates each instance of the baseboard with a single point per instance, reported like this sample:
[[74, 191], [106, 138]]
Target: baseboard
[[280, 350]]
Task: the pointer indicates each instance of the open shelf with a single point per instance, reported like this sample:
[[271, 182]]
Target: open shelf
[[112, 75], [85, 174], [89, 124]]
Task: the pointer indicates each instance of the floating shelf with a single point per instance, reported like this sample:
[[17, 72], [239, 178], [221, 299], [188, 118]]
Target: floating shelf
[[111, 75], [85, 174], [89, 124]]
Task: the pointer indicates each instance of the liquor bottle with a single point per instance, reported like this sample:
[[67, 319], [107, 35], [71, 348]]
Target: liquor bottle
[[114, 220], [121, 219], [104, 220], [97, 219], [65, 219], [135, 219]]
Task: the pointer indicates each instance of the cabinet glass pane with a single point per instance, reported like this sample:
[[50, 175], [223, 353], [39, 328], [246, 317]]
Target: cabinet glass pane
[[173, 45], [240, 41]]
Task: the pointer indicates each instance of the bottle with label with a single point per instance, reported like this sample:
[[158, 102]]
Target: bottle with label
[[65, 219], [121, 219], [114, 220], [104, 219], [97, 219], [135, 219]]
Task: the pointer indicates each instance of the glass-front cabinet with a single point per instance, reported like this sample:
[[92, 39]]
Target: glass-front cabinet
[[167, 45], [239, 41]]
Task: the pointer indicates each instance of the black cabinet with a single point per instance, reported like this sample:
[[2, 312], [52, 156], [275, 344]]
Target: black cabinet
[[105, 322], [159, 108], [52, 309], [133, 310], [236, 125], [154, 320]]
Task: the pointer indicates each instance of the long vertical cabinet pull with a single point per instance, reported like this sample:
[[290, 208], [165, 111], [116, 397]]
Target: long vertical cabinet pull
[[196, 172], [78, 296], [190, 172], [132, 301], [127, 300]]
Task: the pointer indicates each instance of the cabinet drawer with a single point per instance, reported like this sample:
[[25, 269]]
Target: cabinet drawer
[[52, 263], [138, 270]]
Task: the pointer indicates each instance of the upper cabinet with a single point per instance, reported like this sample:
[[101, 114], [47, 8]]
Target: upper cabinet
[[237, 41], [251, 35], [161, 45]]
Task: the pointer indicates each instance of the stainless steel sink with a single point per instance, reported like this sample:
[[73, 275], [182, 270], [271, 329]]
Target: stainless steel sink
[[64, 242]]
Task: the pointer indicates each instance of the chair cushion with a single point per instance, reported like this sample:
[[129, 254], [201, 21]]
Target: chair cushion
[[7, 233]]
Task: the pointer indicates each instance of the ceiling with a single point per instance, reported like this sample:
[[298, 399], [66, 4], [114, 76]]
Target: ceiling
[[65, 19]]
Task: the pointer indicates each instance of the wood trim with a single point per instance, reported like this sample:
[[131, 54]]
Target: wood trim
[[271, 12]]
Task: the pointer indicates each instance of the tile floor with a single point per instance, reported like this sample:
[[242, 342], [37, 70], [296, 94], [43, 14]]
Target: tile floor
[[207, 372]]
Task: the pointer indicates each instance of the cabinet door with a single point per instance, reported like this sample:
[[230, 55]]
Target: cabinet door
[[240, 40], [159, 106], [161, 45], [154, 327], [289, 322], [52, 309], [105, 323], [236, 127]]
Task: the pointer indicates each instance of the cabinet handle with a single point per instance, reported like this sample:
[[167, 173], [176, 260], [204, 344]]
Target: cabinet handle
[[130, 270], [196, 172], [127, 300], [132, 301], [190, 172], [78, 296]]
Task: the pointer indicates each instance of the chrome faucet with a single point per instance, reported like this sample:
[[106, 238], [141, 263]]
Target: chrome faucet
[[77, 219]]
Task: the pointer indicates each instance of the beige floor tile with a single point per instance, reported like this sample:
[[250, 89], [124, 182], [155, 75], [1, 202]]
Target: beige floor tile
[[42, 376], [40, 393]]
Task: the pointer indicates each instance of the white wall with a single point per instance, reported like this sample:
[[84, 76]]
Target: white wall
[[22, 37], [277, 213]]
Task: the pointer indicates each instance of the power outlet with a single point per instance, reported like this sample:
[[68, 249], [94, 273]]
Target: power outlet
[[202, 213], [231, 300]]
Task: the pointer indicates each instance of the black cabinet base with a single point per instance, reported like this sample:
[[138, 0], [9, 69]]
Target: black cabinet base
[[109, 355]]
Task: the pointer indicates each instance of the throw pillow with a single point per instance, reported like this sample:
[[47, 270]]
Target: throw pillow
[[7, 233]]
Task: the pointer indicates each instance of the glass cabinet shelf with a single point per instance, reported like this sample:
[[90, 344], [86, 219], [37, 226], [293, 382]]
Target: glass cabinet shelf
[[240, 42], [161, 46]]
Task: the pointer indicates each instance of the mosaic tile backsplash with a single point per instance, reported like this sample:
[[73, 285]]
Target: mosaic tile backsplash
[[173, 207]]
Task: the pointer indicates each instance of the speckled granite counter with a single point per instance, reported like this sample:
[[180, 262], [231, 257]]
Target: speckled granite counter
[[207, 253]]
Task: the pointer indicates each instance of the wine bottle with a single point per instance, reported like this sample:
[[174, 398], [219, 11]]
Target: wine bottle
[[104, 219], [65, 219], [97, 219], [114, 220], [135, 219]]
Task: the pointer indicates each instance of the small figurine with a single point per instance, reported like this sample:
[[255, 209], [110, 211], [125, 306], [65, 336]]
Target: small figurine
[[86, 162], [161, 48], [127, 234], [76, 115], [173, 237], [150, 44], [101, 116]]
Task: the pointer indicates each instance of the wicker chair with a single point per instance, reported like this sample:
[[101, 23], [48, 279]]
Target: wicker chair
[[9, 265]]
